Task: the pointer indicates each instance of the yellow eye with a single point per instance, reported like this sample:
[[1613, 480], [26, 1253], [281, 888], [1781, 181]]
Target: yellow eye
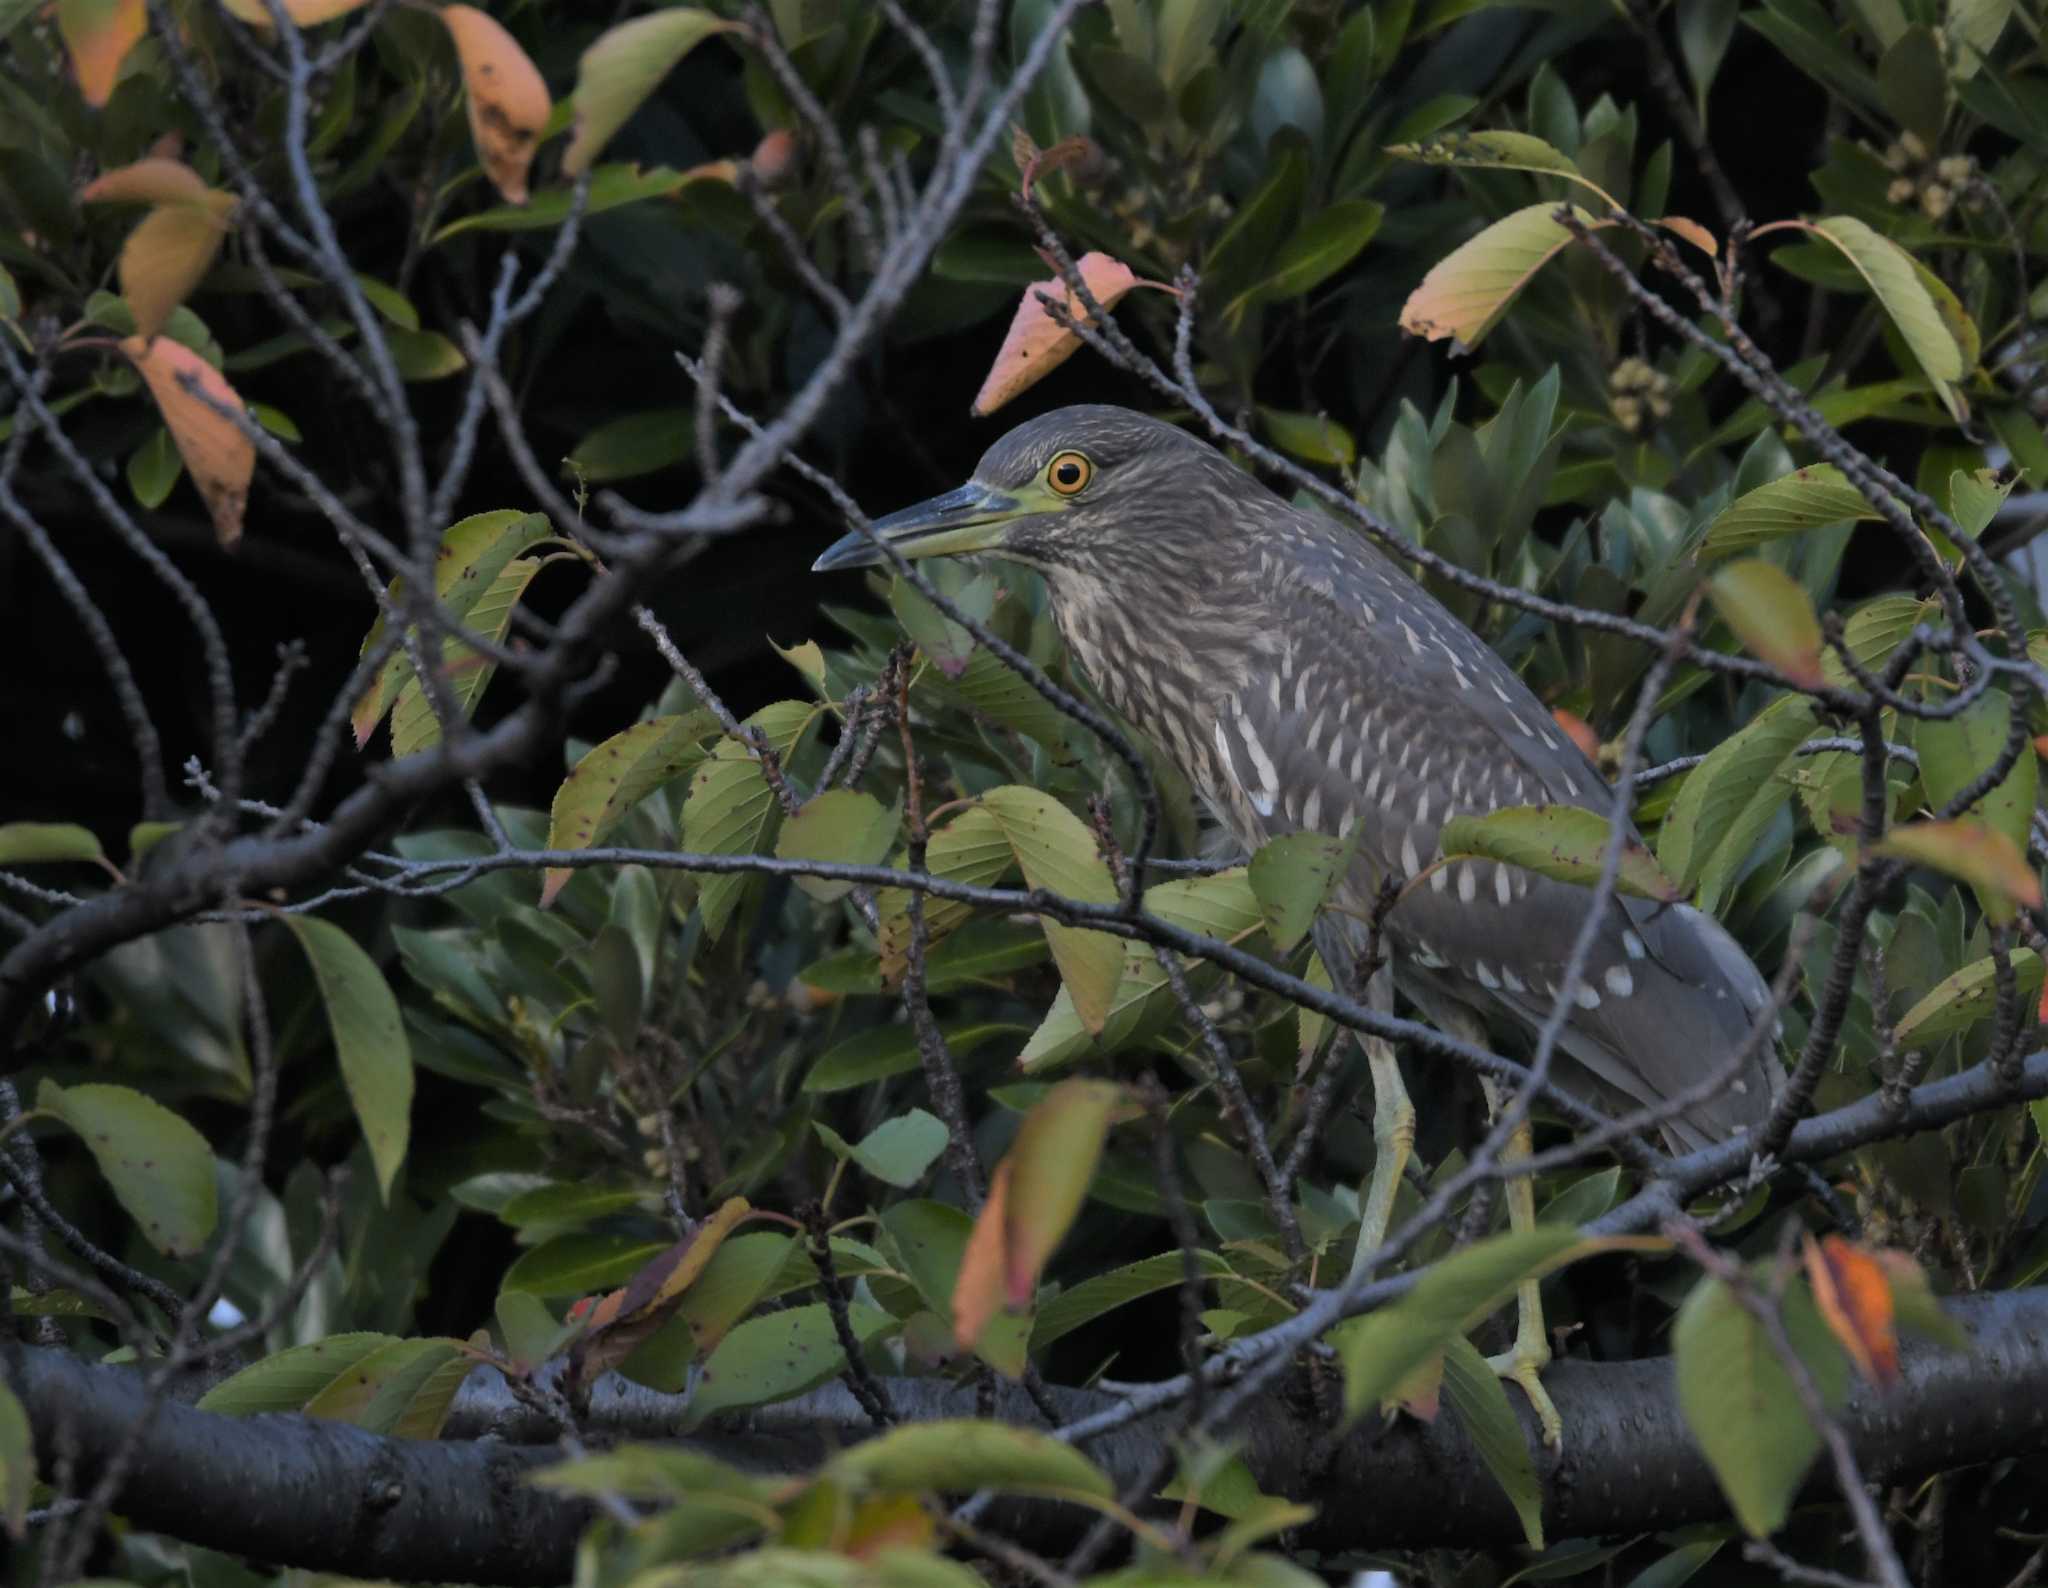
[[1068, 473]]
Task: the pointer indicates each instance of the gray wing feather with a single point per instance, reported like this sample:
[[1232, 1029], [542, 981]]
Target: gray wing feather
[[1388, 715]]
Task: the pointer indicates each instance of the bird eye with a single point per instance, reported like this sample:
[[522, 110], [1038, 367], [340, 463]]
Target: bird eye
[[1068, 473]]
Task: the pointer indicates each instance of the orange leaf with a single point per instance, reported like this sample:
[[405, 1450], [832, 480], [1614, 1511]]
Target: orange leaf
[[155, 180], [978, 1288], [220, 459], [1580, 730], [619, 1322], [888, 1521], [508, 102], [98, 34], [1693, 232], [1974, 852], [1037, 344], [1052, 1161], [1854, 1295]]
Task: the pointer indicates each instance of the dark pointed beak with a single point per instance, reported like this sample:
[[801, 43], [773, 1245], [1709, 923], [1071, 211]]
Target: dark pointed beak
[[965, 520]]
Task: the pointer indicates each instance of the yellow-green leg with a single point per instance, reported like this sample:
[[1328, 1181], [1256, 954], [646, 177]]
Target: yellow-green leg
[[1393, 1127], [1531, 1352]]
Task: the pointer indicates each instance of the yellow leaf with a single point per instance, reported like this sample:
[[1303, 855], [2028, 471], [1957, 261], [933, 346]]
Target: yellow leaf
[[98, 34], [508, 102], [220, 459], [1466, 292], [621, 69]]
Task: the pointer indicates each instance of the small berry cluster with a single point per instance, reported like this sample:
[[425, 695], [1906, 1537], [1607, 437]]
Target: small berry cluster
[[1935, 185], [1639, 394]]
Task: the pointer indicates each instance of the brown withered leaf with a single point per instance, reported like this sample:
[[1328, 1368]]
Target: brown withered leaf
[[619, 1322], [1037, 344], [508, 101], [220, 459], [1854, 1294]]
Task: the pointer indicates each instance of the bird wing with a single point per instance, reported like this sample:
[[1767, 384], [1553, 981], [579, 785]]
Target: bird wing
[[1382, 713]]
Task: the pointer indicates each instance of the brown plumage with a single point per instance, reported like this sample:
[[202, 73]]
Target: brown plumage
[[1302, 681]]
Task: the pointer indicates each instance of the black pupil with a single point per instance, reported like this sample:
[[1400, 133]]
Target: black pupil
[[1070, 473]]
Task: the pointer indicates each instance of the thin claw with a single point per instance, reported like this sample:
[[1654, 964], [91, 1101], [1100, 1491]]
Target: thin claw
[[1526, 1371]]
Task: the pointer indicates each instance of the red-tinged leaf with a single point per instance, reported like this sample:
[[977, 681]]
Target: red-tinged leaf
[[1051, 1163], [978, 1287], [155, 180], [622, 1320], [508, 101], [1772, 616], [1580, 731], [623, 67], [220, 459], [1974, 852], [1036, 343], [1074, 152], [1854, 1295], [1693, 232], [98, 34]]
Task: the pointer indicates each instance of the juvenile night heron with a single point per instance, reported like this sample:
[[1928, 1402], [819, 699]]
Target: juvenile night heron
[[1303, 682]]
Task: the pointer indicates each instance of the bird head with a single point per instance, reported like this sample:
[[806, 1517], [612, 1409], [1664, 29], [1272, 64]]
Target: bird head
[[1068, 491]]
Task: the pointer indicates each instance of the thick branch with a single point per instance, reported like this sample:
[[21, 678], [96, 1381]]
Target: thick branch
[[324, 1496]]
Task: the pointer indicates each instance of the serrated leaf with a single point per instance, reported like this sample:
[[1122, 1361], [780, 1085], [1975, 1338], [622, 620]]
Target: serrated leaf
[[1894, 279], [1972, 852], [1806, 499], [1738, 1399], [413, 725], [1292, 877], [286, 1380], [973, 848], [616, 775], [1561, 842], [159, 1168], [369, 1040], [1956, 751], [405, 1383], [1772, 615]]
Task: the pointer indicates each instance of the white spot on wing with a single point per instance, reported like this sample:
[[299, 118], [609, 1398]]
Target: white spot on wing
[[1410, 861], [1587, 997], [1311, 808], [1485, 975], [1501, 884], [1633, 944], [1468, 884], [1619, 981]]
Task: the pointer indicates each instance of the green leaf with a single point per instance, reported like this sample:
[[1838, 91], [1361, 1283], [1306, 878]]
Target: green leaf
[[287, 1380], [1465, 294], [424, 355], [576, 1265], [473, 553], [1056, 852], [369, 1040], [31, 843], [958, 1456], [1104, 1293], [1557, 841], [1383, 1348], [632, 445], [17, 1465], [929, 1239], [1959, 1001], [403, 1388], [1809, 498], [1292, 877], [1316, 437], [841, 825], [1328, 241], [1497, 151], [883, 1051], [1477, 1395], [1728, 800], [414, 727], [1772, 615], [611, 186], [897, 1151], [154, 468], [1894, 279], [973, 848], [617, 775], [623, 67], [531, 1333], [1955, 751], [159, 1168], [782, 1354], [1738, 1399]]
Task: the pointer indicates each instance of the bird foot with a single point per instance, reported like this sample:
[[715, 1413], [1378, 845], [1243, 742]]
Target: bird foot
[[1524, 1366]]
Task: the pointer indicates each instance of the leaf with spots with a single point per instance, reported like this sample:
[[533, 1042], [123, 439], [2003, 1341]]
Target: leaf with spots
[[508, 101], [617, 775], [1806, 499], [1561, 842], [781, 1354], [404, 1388], [1058, 853], [624, 1319], [369, 1040], [1292, 877], [840, 825], [1467, 292], [1959, 1001], [473, 553], [1037, 344], [288, 1379], [973, 849], [188, 391], [159, 1168], [732, 808], [468, 671]]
